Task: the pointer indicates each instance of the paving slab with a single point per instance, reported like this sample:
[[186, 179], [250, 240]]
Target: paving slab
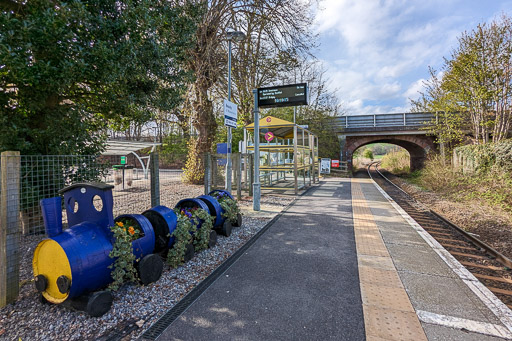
[[441, 333]]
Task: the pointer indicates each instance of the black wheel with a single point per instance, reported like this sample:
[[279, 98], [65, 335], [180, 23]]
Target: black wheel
[[213, 239], [43, 300], [238, 221], [99, 303], [150, 268], [226, 228], [189, 252]]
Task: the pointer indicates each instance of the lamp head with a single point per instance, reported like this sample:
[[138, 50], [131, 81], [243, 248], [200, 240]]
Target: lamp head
[[235, 35]]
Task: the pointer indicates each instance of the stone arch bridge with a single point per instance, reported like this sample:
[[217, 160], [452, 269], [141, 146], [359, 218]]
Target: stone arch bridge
[[403, 129]]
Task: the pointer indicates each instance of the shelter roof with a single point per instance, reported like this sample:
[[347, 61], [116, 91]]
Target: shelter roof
[[280, 127], [124, 147]]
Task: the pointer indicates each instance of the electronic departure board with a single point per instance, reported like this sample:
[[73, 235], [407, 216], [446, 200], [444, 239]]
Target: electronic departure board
[[283, 96]]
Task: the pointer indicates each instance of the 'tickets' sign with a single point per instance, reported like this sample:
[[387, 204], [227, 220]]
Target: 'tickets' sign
[[283, 96]]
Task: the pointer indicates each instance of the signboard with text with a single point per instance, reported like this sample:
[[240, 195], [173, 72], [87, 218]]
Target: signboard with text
[[325, 166], [335, 163], [230, 114], [283, 96]]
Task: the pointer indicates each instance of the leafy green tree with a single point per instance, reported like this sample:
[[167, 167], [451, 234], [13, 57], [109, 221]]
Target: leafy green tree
[[68, 69], [368, 154], [476, 86]]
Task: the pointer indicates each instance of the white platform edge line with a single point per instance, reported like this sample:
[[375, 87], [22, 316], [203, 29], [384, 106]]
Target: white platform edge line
[[502, 312], [461, 323]]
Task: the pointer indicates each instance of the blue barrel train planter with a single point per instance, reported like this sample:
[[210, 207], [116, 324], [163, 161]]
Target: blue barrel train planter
[[71, 266]]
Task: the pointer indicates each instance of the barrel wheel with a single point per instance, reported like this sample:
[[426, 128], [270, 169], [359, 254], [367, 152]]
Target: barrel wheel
[[150, 268], [189, 252], [99, 303], [238, 221], [226, 228], [213, 239]]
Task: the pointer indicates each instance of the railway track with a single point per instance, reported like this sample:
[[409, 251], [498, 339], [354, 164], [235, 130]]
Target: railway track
[[493, 269]]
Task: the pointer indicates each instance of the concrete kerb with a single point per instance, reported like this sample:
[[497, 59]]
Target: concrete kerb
[[498, 308], [193, 295]]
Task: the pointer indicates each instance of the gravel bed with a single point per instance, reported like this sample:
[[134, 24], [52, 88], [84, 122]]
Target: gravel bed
[[31, 320]]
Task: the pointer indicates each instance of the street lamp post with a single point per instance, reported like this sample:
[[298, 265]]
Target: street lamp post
[[236, 36]]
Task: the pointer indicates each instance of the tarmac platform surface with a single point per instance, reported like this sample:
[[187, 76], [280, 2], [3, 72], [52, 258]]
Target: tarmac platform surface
[[343, 262]]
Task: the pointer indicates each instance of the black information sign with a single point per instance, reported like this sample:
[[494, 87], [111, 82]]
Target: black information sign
[[283, 96]]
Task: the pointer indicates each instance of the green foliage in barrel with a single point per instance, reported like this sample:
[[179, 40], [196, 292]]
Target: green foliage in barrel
[[123, 269], [202, 235], [230, 207], [182, 237]]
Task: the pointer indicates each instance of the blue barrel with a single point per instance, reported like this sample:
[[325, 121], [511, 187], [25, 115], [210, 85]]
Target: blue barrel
[[215, 209], [220, 192], [193, 203], [164, 221], [145, 244]]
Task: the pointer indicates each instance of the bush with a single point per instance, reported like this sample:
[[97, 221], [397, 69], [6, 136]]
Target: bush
[[397, 162], [368, 154]]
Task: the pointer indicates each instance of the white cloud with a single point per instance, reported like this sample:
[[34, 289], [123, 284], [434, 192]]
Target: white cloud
[[378, 52]]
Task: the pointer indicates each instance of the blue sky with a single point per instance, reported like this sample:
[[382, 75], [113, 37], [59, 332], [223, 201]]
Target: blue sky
[[377, 52]]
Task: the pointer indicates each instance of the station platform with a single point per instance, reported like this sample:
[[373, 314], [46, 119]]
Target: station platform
[[343, 262]]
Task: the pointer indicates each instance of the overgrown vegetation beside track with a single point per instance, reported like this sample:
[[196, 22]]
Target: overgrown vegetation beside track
[[490, 182]]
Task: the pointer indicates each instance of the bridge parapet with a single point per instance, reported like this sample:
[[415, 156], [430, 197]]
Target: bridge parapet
[[412, 120]]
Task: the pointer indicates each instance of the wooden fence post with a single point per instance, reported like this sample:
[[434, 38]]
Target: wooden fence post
[[154, 169], [9, 227]]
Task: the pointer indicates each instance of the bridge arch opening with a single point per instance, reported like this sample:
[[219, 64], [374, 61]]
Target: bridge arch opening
[[416, 147], [393, 157]]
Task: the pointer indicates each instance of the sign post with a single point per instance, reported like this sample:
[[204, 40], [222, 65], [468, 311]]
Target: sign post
[[256, 186], [230, 119]]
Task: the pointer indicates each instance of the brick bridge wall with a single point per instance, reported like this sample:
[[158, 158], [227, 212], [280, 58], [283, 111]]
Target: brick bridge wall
[[417, 145]]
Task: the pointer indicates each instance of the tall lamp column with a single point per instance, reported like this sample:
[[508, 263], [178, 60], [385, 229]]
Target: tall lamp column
[[236, 36]]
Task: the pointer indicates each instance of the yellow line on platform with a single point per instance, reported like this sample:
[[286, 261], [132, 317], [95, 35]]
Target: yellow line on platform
[[388, 312]]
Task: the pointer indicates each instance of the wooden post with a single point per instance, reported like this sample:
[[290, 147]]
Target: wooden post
[[239, 177], [155, 179], [9, 228], [207, 173], [250, 166]]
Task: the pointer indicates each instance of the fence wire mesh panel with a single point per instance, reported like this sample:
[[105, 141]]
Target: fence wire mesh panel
[[215, 171], [43, 176], [172, 187]]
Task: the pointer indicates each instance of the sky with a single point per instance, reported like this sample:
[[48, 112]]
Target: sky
[[377, 52]]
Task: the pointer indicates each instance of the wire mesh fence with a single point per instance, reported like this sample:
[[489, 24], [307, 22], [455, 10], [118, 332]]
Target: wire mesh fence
[[27, 179]]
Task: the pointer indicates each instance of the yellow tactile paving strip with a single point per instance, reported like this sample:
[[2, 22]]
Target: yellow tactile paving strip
[[388, 313]]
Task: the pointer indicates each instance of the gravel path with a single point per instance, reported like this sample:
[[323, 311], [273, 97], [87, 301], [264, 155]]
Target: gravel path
[[29, 319]]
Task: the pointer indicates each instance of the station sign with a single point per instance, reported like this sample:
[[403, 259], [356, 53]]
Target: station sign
[[230, 114], [283, 96]]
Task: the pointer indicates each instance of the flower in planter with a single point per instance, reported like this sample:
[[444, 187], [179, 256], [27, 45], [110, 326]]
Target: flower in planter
[[122, 251]]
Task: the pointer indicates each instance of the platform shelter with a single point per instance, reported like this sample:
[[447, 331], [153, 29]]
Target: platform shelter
[[288, 154]]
